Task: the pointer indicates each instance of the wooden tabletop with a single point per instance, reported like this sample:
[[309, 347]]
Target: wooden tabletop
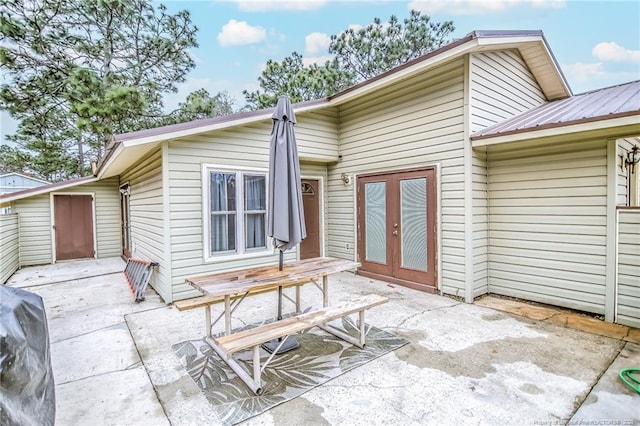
[[241, 281]]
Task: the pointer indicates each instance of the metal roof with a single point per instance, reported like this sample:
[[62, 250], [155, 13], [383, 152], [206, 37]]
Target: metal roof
[[622, 100]]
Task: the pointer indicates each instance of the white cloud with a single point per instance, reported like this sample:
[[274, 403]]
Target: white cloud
[[479, 7], [236, 33], [271, 5], [315, 43], [613, 52], [583, 77], [581, 72]]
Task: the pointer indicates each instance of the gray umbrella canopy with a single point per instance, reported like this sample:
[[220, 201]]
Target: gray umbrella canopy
[[285, 212]]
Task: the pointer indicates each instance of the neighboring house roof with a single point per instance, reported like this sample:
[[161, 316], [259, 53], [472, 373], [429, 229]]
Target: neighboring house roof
[[23, 175], [531, 45], [43, 189], [620, 102]]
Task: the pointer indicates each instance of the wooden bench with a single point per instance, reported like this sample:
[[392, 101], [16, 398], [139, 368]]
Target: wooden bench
[[226, 346]]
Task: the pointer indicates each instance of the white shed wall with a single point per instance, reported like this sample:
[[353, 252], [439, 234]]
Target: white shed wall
[[35, 230], [35, 222]]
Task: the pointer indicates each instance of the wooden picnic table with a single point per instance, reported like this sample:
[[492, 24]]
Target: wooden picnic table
[[236, 285], [233, 286]]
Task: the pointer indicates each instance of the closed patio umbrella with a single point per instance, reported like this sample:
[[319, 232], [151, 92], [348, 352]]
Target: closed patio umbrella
[[285, 213]]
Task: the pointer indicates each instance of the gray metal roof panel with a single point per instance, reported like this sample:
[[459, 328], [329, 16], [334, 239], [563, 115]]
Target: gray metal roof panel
[[597, 104]]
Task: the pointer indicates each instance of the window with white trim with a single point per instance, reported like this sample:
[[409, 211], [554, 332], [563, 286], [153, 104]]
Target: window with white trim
[[237, 207]]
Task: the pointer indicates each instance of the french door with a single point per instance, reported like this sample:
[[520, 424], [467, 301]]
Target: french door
[[397, 227]]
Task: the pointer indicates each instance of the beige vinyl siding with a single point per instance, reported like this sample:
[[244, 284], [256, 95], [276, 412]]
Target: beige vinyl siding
[[547, 223], [107, 211], [317, 136], [241, 147], [146, 218], [480, 224], [9, 246], [35, 230], [501, 87], [416, 123], [623, 146], [628, 306]]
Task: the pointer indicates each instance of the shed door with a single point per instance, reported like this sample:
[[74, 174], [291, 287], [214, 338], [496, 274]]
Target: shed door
[[397, 227], [73, 226]]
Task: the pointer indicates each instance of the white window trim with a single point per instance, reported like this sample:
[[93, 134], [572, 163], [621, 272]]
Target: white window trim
[[206, 221]]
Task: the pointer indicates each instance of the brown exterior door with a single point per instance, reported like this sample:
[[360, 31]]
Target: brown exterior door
[[310, 246], [73, 216], [397, 227]]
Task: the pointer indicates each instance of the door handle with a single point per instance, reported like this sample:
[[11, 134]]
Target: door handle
[[395, 232]]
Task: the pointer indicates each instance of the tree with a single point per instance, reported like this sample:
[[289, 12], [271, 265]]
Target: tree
[[358, 55], [300, 82], [200, 104], [80, 71], [379, 47]]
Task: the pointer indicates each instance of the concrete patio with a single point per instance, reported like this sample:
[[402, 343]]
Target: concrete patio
[[493, 362]]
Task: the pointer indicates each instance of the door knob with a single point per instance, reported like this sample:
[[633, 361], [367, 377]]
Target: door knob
[[395, 232]]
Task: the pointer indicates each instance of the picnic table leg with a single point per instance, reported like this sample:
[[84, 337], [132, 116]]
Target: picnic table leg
[[207, 319], [361, 325], [297, 299], [227, 314], [257, 371], [325, 291]]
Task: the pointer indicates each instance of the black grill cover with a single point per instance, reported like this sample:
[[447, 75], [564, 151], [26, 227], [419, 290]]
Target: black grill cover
[[27, 394]]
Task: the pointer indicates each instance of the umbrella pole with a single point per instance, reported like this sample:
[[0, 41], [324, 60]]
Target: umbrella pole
[[280, 266], [291, 343]]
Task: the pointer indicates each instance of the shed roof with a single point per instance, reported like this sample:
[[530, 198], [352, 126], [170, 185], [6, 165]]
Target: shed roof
[[622, 100], [44, 189]]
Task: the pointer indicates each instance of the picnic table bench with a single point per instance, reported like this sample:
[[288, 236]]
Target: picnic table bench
[[234, 286]]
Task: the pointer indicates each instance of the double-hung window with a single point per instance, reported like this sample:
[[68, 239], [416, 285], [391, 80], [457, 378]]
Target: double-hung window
[[237, 210]]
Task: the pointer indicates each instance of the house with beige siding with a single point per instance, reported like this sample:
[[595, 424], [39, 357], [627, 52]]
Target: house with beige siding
[[468, 171]]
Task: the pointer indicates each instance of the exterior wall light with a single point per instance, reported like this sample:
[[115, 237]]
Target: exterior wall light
[[633, 158], [346, 179]]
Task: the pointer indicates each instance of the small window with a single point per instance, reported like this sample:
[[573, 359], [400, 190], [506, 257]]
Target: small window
[[237, 212]]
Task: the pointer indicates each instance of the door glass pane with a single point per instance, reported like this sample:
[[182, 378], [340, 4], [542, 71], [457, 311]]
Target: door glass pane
[[413, 200], [375, 222]]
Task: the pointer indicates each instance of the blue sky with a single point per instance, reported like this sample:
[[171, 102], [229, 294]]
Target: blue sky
[[596, 43]]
